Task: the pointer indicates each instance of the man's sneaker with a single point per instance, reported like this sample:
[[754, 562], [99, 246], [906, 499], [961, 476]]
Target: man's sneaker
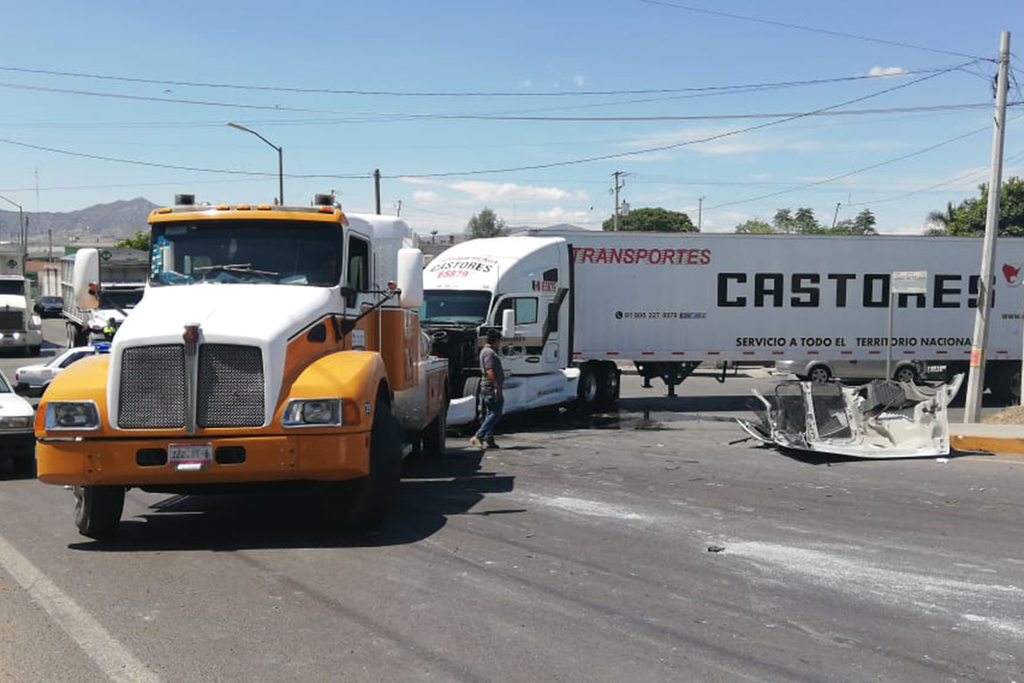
[[491, 443], [478, 443]]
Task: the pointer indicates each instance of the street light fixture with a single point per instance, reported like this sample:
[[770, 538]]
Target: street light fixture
[[21, 220], [280, 159]]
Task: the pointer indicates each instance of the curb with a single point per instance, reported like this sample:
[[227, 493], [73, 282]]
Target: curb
[[988, 444]]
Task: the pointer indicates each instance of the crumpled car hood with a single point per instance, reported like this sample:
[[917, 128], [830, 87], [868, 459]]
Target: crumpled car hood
[[882, 419]]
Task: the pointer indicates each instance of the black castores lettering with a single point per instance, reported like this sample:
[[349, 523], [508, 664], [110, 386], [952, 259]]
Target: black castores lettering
[[723, 290], [768, 285], [803, 295]]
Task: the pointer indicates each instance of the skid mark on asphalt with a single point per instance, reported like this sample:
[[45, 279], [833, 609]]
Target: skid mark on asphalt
[[954, 598], [102, 648]]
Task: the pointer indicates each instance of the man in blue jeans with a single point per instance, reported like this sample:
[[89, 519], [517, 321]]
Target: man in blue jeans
[[492, 379]]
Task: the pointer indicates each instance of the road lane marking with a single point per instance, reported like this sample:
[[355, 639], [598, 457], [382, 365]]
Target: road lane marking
[[103, 649]]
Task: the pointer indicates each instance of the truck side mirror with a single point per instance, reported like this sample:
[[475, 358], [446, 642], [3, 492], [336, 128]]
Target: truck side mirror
[[508, 323], [410, 278], [86, 277]]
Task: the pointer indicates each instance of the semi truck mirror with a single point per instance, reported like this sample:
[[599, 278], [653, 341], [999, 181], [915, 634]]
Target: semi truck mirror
[[85, 277], [410, 278], [508, 323]]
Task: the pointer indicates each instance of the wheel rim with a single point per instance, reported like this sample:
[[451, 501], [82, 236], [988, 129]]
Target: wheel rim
[[819, 375], [905, 375]]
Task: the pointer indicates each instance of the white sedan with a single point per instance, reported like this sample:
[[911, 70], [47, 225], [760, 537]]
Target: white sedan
[[17, 441], [33, 379]]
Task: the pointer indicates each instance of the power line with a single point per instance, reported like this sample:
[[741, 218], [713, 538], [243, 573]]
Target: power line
[[662, 148], [153, 164], [440, 94], [957, 178], [397, 116], [811, 29], [855, 172]]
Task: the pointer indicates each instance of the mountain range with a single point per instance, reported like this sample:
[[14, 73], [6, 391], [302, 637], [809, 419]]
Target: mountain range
[[100, 223]]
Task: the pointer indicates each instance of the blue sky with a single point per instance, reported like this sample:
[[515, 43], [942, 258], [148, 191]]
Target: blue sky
[[532, 63]]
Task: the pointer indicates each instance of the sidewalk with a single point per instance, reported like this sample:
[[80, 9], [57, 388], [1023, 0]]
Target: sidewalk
[[991, 438]]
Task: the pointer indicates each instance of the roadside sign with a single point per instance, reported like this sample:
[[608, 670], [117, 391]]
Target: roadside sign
[[910, 282]]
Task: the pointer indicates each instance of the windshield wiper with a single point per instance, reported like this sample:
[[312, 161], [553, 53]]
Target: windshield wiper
[[242, 268]]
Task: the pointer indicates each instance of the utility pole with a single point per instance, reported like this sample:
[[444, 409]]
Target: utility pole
[[49, 250], [835, 218], [398, 208], [619, 184], [976, 376], [700, 212], [376, 187]]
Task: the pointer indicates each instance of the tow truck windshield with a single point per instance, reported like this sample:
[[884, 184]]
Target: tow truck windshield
[[455, 306], [242, 251]]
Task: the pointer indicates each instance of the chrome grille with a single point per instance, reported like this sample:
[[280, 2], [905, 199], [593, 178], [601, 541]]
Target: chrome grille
[[152, 392], [11, 320], [230, 386]]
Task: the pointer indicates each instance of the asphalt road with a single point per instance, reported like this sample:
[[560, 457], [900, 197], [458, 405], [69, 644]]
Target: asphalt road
[[640, 545]]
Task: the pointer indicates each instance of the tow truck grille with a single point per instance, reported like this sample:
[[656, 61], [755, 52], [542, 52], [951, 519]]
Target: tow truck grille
[[152, 394], [230, 386], [11, 320]]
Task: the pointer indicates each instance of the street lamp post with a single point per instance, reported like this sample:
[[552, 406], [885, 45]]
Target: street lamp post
[[280, 159], [21, 220]]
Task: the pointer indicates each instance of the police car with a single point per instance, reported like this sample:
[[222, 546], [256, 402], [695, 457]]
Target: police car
[[32, 380]]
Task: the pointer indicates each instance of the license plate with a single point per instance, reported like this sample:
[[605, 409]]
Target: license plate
[[190, 453]]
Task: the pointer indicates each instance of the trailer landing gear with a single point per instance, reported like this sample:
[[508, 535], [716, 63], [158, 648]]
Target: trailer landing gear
[[671, 373]]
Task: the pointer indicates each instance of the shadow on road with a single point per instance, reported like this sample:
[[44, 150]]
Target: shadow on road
[[287, 517]]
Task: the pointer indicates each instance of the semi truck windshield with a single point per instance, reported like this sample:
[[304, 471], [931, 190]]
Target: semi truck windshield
[[240, 251], [455, 306]]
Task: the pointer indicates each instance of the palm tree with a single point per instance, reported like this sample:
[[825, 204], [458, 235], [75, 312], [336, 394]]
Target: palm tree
[[941, 222]]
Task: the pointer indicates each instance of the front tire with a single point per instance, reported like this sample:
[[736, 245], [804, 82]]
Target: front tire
[[98, 510], [589, 388], [364, 502]]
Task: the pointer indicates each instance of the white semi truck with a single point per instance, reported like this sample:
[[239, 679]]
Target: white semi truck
[[123, 275], [20, 327], [582, 302]]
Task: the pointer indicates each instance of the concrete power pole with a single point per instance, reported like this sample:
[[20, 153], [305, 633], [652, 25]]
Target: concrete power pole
[[376, 188], [976, 377], [618, 175], [700, 212]]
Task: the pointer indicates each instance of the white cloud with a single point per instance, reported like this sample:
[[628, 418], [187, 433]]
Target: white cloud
[[526, 83], [881, 71], [727, 145], [419, 181], [761, 176], [578, 80], [497, 192], [425, 196], [560, 215]]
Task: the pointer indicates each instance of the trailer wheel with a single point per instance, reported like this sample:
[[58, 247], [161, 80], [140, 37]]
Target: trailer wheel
[[1005, 386], [98, 510], [819, 374], [589, 387], [364, 502]]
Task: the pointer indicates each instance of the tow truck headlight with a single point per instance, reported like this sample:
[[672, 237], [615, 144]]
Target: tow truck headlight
[[15, 422], [312, 412], [76, 415]]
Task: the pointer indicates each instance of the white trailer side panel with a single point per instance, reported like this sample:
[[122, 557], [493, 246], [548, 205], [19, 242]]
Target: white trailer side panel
[[643, 296]]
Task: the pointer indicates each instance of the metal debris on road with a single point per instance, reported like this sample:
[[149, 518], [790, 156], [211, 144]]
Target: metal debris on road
[[882, 419]]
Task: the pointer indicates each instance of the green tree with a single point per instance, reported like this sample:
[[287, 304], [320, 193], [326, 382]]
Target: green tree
[[140, 241], [802, 222], [967, 219], [863, 224], [755, 227], [652, 220], [486, 224]]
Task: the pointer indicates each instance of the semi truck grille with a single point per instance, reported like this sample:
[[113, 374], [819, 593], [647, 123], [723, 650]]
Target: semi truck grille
[[152, 394], [230, 386], [11, 320]]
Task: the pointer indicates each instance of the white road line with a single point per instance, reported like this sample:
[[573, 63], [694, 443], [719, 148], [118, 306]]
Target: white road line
[[102, 648]]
